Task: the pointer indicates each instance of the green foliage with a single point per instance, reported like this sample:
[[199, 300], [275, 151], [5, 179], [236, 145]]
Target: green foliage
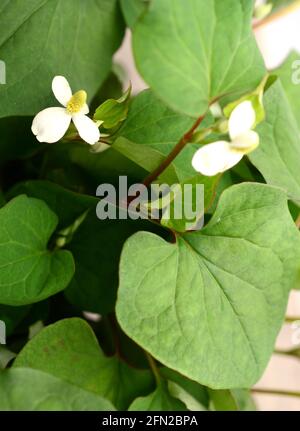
[[159, 400], [156, 129], [290, 78], [278, 155], [181, 292], [132, 10], [186, 201], [24, 389], [112, 111], [40, 38], [29, 271], [188, 72], [59, 351], [142, 314]]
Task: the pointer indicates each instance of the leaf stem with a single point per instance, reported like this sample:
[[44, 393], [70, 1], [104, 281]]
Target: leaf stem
[[276, 392], [277, 15], [153, 367], [174, 153], [291, 319], [293, 352]]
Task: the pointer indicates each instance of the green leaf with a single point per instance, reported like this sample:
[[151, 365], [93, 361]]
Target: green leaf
[[60, 351], [31, 390], [197, 391], [95, 168], [112, 111], [150, 123], [67, 205], [186, 201], [111, 88], [232, 400], [46, 38], [177, 48], [222, 400], [243, 399], [218, 295], [159, 400], [278, 155], [289, 74], [29, 271], [96, 247], [16, 139], [146, 157], [187, 399], [132, 10]]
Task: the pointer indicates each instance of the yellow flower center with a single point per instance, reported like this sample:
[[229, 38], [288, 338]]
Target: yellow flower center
[[76, 102]]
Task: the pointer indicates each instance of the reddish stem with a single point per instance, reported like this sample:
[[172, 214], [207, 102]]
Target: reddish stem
[[174, 153]]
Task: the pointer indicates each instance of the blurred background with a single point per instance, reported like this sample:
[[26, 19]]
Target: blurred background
[[276, 37]]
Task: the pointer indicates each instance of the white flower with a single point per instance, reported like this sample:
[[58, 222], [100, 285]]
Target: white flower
[[51, 124], [222, 155]]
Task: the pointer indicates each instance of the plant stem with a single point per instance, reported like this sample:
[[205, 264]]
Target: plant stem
[[291, 319], [153, 367], [174, 153], [277, 15], [276, 392], [295, 353]]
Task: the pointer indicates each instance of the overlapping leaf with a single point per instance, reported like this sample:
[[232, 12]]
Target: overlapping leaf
[[46, 38], [69, 350], [29, 272], [278, 155], [24, 389], [210, 305], [191, 52]]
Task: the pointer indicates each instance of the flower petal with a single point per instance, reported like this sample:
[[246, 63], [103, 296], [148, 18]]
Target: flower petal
[[215, 158], [85, 110], [87, 128], [242, 119], [51, 124], [61, 89], [246, 142]]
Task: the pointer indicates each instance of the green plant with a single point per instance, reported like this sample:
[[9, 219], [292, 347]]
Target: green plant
[[135, 313]]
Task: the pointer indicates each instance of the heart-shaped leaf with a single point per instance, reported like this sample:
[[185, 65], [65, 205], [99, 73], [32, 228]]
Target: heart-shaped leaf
[[192, 52], [29, 272], [210, 305], [59, 350]]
